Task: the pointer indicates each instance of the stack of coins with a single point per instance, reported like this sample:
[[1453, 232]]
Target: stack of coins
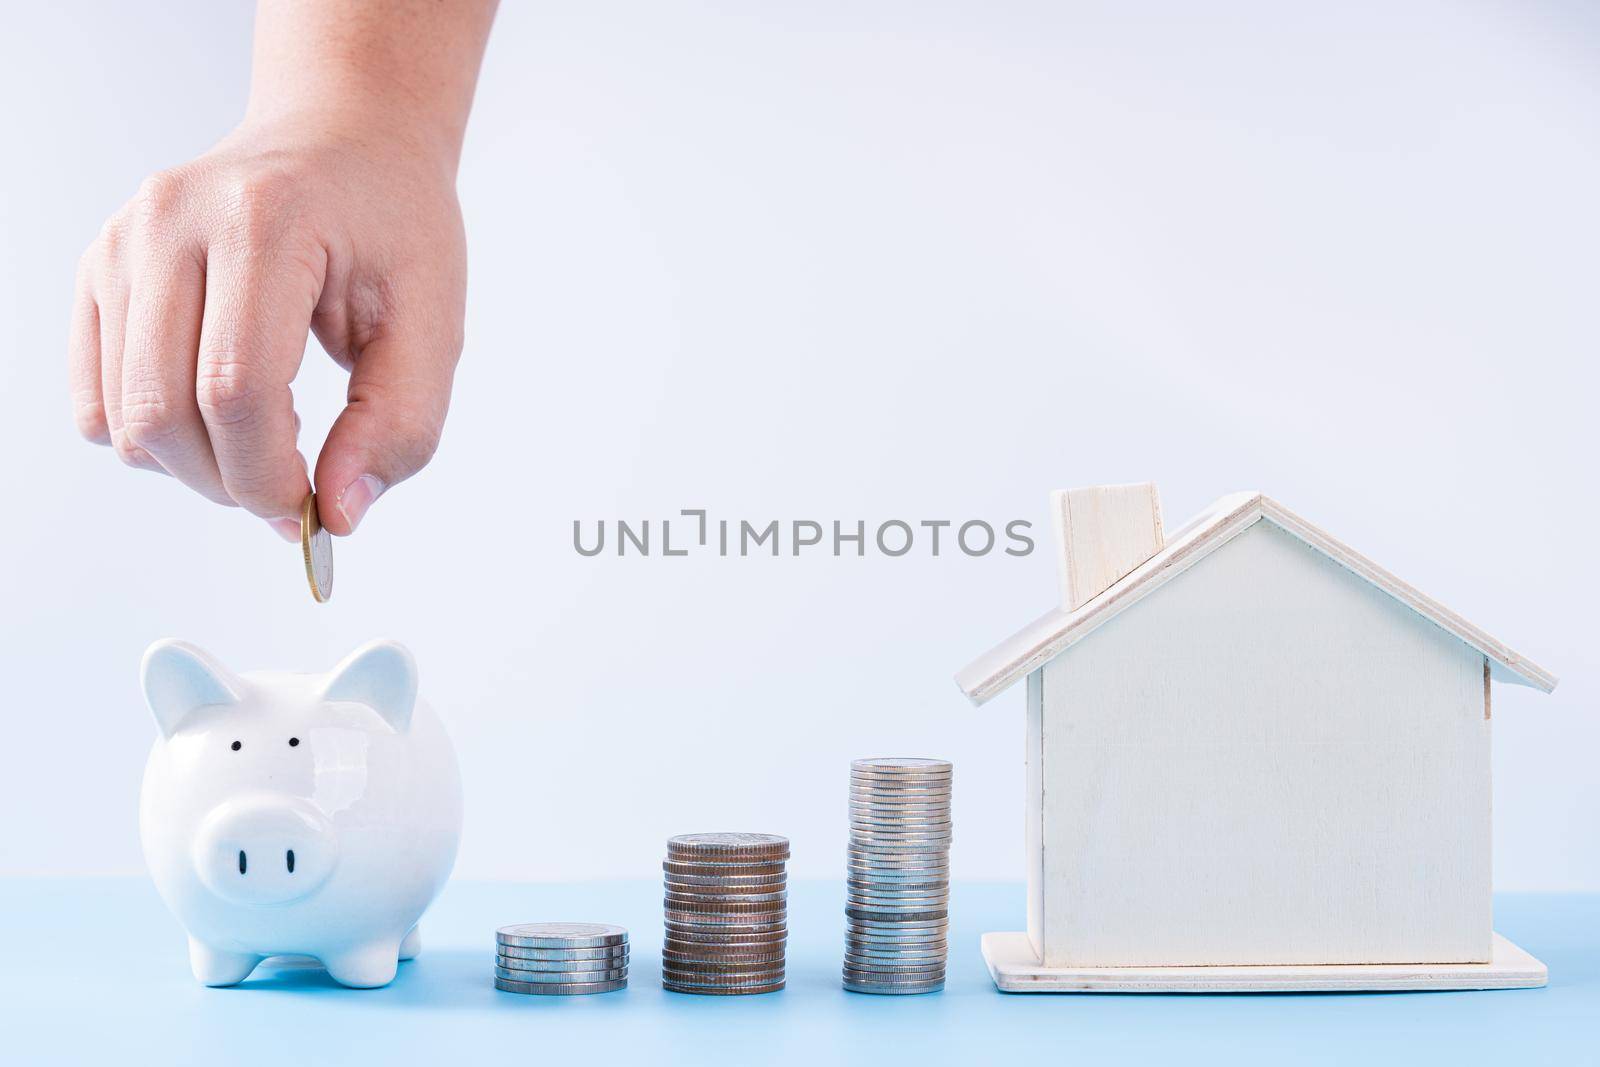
[[561, 958], [727, 916], [898, 905]]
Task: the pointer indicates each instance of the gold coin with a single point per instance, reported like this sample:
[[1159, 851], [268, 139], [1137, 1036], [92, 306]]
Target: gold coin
[[316, 545]]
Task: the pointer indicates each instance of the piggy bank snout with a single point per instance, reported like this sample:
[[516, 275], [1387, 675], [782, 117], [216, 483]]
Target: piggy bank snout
[[264, 850]]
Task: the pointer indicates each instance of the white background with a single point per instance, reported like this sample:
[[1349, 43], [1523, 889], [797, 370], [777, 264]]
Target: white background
[[845, 260]]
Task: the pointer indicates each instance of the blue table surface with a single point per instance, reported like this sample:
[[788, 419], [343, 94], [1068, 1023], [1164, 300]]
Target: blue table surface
[[97, 971]]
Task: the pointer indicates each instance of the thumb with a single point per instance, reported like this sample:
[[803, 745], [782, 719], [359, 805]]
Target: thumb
[[389, 429]]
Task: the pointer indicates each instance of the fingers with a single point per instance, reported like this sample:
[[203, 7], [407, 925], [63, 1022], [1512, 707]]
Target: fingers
[[260, 291], [111, 282], [83, 358], [160, 410], [399, 393]]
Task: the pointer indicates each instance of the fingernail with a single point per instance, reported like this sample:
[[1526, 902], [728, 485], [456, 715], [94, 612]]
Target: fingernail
[[288, 529], [357, 498]]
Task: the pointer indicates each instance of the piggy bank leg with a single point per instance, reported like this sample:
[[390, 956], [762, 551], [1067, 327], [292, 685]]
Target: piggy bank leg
[[410, 945], [214, 967], [365, 966]]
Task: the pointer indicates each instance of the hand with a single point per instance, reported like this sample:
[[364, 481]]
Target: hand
[[193, 307]]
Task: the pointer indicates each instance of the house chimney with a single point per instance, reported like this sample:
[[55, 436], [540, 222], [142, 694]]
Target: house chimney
[[1103, 532]]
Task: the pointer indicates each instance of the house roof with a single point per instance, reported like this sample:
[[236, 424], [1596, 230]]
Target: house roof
[[1055, 632]]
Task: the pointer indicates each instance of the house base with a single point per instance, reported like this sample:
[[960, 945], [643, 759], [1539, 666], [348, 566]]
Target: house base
[[1015, 969]]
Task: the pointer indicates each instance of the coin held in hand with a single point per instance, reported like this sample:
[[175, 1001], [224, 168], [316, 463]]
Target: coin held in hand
[[316, 544]]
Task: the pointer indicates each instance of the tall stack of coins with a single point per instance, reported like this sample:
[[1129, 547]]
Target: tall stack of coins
[[561, 958], [727, 916], [898, 906]]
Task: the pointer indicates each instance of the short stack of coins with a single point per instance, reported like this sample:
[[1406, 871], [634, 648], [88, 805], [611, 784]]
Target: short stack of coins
[[561, 959], [897, 909], [726, 913]]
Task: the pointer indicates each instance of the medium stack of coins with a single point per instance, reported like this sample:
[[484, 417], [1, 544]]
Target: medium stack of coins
[[727, 913], [561, 958], [898, 904]]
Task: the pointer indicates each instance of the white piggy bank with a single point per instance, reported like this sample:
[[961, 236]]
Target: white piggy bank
[[306, 814]]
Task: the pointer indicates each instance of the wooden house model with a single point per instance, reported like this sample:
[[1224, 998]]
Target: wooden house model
[[1255, 760]]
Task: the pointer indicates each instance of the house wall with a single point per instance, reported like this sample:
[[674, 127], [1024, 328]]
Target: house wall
[[1268, 761], [1033, 825]]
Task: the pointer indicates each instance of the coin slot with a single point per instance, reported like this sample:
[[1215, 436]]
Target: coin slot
[[236, 746], [241, 851], [291, 861]]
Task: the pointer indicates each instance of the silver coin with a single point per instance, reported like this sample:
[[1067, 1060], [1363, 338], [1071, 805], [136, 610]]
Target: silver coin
[[903, 892], [891, 849], [560, 977], [897, 974], [726, 868], [911, 939], [722, 981], [932, 836], [733, 923], [606, 952], [771, 951], [875, 815], [875, 950], [711, 971], [729, 991], [887, 868], [723, 845], [897, 916], [861, 829], [887, 935], [512, 963], [718, 899], [866, 789], [905, 937], [897, 890], [561, 935], [898, 977], [707, 920], [693, 936], [856, 904], [882, 820], [714, 954], [902, 765], [901, 981], [895, 845], [865, 987], [718, 883], [752, 911], [900, 798], [867, 774], [881, 859], [897, 886], [559, 989], [891, 939], [868, 922], [897, 952]]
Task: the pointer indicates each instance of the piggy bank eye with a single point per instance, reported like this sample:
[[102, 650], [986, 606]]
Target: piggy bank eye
[[293, 741], [236, 746]]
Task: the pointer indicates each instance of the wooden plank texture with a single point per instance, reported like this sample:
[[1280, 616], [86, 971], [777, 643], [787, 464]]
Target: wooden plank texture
[[1273, 762], [1059, 629], [1102, 533], [1015, 969]]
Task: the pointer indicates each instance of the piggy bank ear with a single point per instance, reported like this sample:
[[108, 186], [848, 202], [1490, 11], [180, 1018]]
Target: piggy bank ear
[[383, 676], [178, 678]]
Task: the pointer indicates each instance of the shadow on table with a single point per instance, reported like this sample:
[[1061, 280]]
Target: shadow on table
[[439, 979]]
